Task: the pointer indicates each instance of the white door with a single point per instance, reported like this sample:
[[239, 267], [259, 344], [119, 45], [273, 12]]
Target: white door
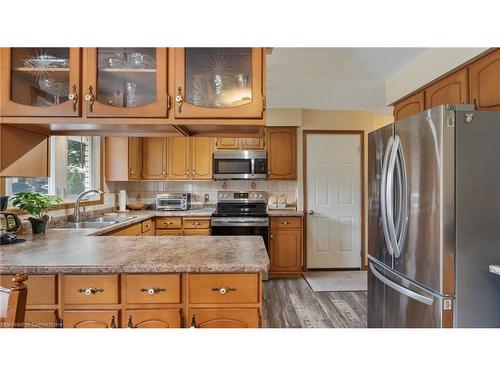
[[334, 196]]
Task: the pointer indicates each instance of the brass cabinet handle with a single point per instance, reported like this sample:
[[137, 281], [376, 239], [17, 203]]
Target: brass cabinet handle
[[223, 290], [153, 290], [164, 172], [269, 172], [272, 236], [193, 321], [112, 324], [193, 172], [187, 172], [131, 171], [90, 291], [74, 97], [130, 324], [179, 99], [196, 223], [169, 223], [284, 222], [90, 98]]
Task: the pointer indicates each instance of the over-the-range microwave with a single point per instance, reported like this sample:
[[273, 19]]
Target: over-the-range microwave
[[240, 165]]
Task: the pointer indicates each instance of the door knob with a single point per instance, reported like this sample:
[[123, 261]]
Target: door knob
[[311, 212]]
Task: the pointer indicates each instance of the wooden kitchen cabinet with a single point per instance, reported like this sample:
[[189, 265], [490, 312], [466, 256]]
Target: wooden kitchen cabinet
[[122, 158], [179, 164], [154, 158], [190, 158], [227, 143], [285, 246], [449, 90], [219, 83], [484, 82], [281, 144], [252, 143], [240, 143], [202, 149], [223, 318], [91, 319], [155, 318], [42, 82], [125, 82], [409, 106], [42, 318]]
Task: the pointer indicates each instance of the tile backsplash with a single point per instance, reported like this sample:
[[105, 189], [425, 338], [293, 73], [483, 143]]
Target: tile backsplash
[[147, 190]]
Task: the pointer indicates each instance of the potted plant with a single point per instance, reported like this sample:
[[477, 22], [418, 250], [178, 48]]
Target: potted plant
[[37, 205]]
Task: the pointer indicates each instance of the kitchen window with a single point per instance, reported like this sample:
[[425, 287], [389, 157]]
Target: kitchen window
[[75, 163]]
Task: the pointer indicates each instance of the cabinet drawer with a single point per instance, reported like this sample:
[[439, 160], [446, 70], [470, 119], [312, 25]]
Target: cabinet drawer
[[286, 222], [41, 318], [80, 289], [148, 233], [153, 288], [224, 318], [42, 289], [157, 318], [147, 225], [168, 223], [196, 223], [224, 288], [197, 232], [132, 230], [168, 232], [91, 319]]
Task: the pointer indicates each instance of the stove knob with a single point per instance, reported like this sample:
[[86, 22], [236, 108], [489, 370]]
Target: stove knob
[[225, 195], [260, 195], [251, 195]]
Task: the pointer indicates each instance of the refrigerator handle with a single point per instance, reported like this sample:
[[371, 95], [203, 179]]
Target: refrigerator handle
[[403, 204], [389, 196], [383, 195], [398, 288]]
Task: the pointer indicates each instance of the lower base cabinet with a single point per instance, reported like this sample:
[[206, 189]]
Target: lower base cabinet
[[223, 318], [158, 318], [91, 319], [42, 318]]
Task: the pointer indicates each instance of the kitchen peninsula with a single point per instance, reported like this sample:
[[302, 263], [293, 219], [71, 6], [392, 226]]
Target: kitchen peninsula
[[83, 278]]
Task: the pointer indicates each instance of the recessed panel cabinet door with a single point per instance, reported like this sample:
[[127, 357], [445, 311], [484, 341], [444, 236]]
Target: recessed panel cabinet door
[[484, 82], [223, 318], [281, 143], [409, 106], [125, 82], [134, 158], [201, 158], [178, 158], [218, 82], [40, 82], [252, 143], [285, 251], [449, 90], [227, 143], [154, 158], [91, 319], [158, 318]]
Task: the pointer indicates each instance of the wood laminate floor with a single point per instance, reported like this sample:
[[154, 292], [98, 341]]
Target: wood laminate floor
[[291, 303]]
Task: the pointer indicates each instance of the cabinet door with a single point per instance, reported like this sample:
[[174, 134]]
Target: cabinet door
[[91, 319], [285, 251], [281, 146], [202, 149], [178, 158], [409, 106], [218, 82], [134, 158], [449, 90], [159, 318], [154, 158], [40, 82], [484, 82], [41, 318], [227, 144], [197, 232], [223, 318], [252, 143], [125, 82]]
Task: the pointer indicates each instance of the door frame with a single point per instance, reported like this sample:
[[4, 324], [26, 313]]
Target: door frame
[[361, 134]]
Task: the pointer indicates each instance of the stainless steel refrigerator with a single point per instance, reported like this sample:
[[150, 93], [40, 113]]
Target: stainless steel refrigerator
[[434, 220]]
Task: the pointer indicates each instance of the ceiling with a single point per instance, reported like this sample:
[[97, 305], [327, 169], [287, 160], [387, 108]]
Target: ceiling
[[333, 78]]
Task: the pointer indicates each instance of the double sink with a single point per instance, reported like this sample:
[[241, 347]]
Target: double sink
[[97, 222]]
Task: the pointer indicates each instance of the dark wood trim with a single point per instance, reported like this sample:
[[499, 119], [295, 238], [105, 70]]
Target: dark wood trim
[[361, 134], [454, 70]]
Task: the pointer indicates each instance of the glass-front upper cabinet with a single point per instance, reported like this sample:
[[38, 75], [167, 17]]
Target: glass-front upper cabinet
[[40, 82], [125, 82], [218, 83]]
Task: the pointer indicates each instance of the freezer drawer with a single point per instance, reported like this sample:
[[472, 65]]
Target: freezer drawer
[[394, 302]]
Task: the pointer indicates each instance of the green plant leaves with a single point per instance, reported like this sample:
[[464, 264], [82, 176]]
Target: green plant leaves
[[36, 204]]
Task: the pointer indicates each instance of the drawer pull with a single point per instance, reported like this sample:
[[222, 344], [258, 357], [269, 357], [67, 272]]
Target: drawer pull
[[112, 324], [90, 291], [169, 223], [285, 222], [152, 291], [193, 321], [223, 290], [130, 324], [196, 223]]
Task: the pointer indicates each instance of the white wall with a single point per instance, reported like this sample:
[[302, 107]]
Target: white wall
[[427, 67]]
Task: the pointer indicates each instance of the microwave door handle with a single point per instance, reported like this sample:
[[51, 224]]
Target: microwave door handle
[[383, 187], [252, 166]]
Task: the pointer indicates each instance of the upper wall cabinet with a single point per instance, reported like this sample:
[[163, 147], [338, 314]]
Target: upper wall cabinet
[[484, 82], [449, 90], [409, 106], [125, 82], [40, 82], [281, 145], [218, 83]]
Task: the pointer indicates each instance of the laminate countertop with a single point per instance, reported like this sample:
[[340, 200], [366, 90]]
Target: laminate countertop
[[86, 251], [495, 268]]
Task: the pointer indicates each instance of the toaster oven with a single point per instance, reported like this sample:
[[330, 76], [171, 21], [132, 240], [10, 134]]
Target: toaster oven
[[173, 201]]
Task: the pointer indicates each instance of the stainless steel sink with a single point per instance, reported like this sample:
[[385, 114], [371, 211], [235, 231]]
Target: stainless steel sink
[[96, 222]]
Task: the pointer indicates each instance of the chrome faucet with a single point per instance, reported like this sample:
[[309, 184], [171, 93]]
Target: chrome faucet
[[76, 214]]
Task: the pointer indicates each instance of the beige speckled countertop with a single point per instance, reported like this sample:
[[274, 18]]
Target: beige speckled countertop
[[495, 268], [85, 251], [284, 213]]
